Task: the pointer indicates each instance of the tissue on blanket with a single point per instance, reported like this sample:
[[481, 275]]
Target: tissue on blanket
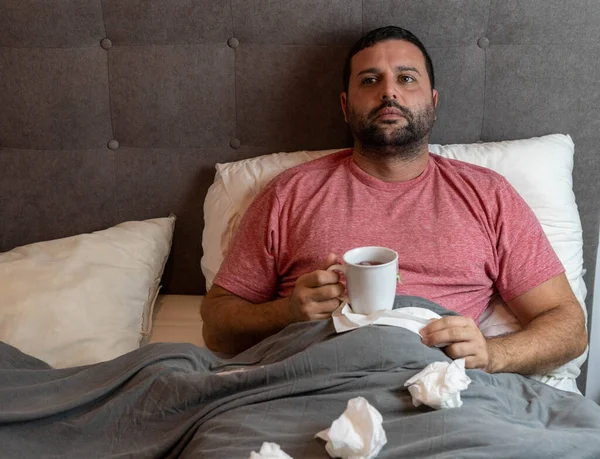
[[411, 318], [270, 451], [439, 384], [357, 433]]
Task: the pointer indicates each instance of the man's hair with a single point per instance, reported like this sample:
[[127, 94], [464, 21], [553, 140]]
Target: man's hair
[[384, 34]]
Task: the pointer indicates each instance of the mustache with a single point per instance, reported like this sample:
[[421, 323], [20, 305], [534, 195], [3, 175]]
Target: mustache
[[391, 104]]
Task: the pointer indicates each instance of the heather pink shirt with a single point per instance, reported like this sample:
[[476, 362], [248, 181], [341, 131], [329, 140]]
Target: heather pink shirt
[[461, 232]]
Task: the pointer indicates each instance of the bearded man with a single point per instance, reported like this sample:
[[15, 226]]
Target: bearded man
[[461, 231]]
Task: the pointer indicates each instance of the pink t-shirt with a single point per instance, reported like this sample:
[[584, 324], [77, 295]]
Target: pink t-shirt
[[461, 231]]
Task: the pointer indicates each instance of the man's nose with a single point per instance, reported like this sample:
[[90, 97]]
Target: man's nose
[[389, 91]]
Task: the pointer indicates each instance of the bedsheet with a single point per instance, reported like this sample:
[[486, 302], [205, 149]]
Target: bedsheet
[[176, 319], [178, 400]]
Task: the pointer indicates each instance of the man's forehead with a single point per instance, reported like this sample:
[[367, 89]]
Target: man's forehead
[[398, 53]]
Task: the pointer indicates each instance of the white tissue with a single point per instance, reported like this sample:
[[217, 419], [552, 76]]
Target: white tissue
[[357, 433], [269, 451], [439, 384], [413, 319]]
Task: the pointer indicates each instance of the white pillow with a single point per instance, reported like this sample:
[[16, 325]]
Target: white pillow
[[87, 298], [539, 168]]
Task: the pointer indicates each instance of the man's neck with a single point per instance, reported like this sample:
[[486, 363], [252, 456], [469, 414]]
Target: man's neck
[[401, 168]]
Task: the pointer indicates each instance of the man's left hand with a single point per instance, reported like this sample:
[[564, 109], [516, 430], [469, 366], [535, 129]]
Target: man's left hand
[[461, 338]]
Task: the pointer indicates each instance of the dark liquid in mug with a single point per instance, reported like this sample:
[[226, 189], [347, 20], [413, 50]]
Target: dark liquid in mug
[[370, 263]]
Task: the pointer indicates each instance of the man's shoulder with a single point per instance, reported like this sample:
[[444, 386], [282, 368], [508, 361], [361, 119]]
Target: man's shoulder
[[313, 170], [471, 172]]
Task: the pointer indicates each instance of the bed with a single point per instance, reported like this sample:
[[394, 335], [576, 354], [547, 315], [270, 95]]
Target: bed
[[134, 136]]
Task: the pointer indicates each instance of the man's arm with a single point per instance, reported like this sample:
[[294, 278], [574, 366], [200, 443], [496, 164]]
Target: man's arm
[[233, 324], [553, 333]]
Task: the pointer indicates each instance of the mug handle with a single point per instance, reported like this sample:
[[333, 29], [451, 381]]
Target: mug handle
[[341, 268]]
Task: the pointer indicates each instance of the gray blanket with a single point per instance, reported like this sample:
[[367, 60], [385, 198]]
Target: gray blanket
[[177, 400]]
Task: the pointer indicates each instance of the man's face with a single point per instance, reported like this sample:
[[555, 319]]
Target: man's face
[[390, 101]]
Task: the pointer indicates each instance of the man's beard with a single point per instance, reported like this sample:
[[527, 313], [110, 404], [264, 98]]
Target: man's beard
[[402, 142]]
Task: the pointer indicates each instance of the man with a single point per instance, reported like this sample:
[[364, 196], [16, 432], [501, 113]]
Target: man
[[461, 231]]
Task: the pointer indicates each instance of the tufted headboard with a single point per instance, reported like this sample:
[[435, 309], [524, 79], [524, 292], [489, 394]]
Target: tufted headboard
[[115, 110]]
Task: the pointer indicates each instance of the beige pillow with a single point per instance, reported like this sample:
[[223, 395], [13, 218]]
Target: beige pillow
[[87, 298]]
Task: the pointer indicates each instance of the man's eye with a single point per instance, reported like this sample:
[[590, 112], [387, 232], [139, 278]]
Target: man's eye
[[368, 80], [406, 79]]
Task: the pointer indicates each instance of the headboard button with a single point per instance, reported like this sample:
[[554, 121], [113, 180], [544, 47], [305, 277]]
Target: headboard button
[[483, 42], [113, 144], [233, 42], [235, 143], [106, 43]]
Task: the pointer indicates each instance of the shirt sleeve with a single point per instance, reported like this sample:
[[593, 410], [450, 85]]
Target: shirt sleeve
[[525, 257], [249, 269]]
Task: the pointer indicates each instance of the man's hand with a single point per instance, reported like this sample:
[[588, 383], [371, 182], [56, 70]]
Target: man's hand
[[461, 338], [315, 294]]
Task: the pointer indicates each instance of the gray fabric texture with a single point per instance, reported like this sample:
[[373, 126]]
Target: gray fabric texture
[[60, 176], [156, 22], [293, 22], [173, 109], [445, 24], [542, 22], [285, 89], [54, 99], [462, 69], [169, 400], [51, 23]]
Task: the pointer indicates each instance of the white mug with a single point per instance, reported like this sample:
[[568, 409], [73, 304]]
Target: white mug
[[371, 278]]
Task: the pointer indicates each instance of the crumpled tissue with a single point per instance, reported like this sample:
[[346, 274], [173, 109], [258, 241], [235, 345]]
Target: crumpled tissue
[[270, 451], [439, 385], [411, 318], [357, 433]]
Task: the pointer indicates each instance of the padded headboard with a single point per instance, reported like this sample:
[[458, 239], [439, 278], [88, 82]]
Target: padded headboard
[[114, 110]]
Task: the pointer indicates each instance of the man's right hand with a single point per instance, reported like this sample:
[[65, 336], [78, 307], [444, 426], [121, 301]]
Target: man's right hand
[[315, 295]]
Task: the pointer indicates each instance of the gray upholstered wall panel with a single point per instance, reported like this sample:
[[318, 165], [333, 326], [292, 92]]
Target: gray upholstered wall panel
[[293, 100], [54, 98], [544, 22], [537, 86], [50, 191], [50, 23], [436, 23], [298, 22], [135, 22], [460, 79], [9, 206], [180, 96]]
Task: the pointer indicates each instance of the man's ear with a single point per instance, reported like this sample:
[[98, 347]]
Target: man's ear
[[343, 101], [435, 97]]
